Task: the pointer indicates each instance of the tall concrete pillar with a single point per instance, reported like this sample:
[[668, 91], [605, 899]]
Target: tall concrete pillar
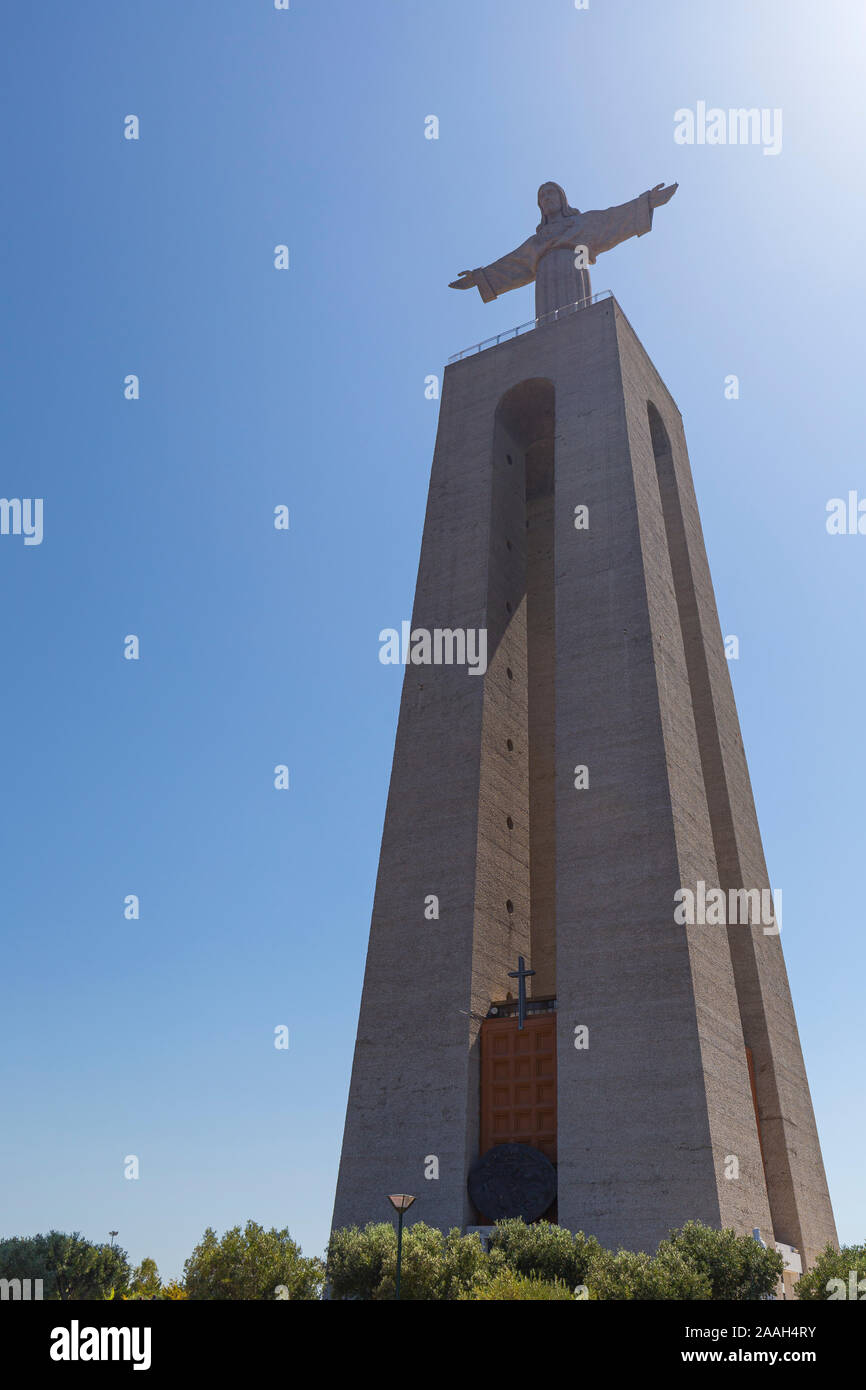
[[554, 806]]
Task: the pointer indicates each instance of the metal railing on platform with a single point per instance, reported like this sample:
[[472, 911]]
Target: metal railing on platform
[[533, 323]]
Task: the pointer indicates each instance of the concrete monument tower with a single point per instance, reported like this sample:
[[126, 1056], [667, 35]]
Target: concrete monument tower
[[580, 801]]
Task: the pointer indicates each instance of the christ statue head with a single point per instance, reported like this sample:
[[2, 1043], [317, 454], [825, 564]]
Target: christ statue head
[[553, 203]]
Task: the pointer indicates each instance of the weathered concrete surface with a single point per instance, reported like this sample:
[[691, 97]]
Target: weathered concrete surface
[[649, 1115], [794, 1172]]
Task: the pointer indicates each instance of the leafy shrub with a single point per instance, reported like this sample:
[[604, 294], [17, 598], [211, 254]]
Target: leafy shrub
[[363, 1263], [737, 1267], [507, 1285], [546, 1251], [833, 1264], [356, 1259], [173, 1290], [634, 1275], [696, 1262]]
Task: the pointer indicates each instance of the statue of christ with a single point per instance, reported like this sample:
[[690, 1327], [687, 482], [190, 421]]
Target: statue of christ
[[566, 241]]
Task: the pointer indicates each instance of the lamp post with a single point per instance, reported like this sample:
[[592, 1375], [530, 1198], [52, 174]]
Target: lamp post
[[112, 1234], [401, 1202]]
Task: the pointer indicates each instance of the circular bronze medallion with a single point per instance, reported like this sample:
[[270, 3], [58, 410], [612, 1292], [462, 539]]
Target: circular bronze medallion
[[512, 1180]]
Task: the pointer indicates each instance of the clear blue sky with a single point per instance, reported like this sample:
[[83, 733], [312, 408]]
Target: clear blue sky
[[306, 387]]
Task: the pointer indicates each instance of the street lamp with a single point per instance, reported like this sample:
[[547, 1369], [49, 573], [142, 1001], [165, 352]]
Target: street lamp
[[112, 1234], [401, 1202]]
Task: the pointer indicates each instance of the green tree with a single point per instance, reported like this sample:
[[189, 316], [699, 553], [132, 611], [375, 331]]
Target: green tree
[[546, 1251], [145, 1282], [737, 1267], [833, 1264], [251, 1264], [69, 1266], [173, 1290]]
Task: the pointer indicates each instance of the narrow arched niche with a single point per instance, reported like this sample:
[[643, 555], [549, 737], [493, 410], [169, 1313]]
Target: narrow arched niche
[[528, 411], [658, 434], [523, 511]]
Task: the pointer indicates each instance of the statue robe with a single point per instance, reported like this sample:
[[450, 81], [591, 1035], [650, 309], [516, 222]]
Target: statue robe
[[548, 257]]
